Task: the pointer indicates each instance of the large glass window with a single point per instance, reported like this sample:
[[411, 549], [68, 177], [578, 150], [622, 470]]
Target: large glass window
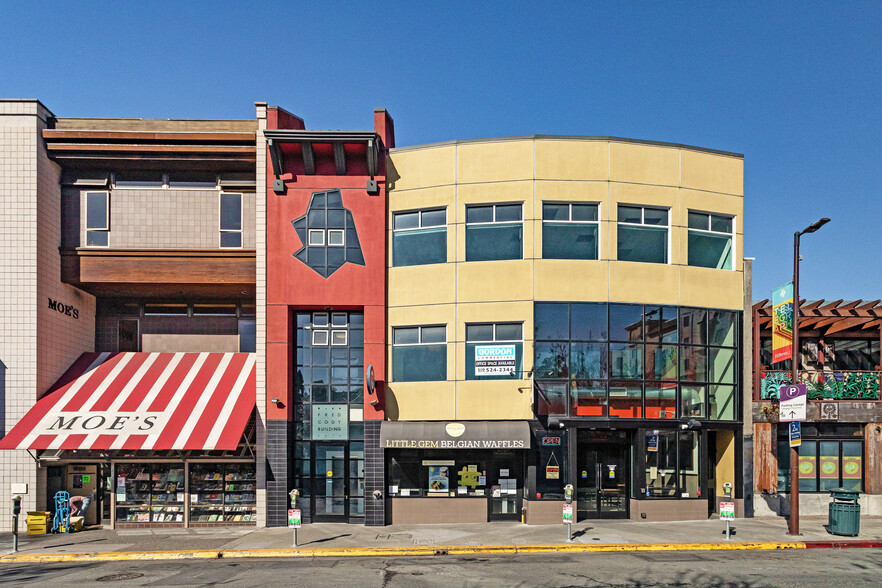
[[710, 240], [419, 354], [635, 361], [671, 464], [642, 234], [230, 220], [494, 351], [569, 230], [97, 219], [830, 456], [419, 237], [494, 231]]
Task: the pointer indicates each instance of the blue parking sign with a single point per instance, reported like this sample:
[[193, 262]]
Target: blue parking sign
[[795, 434]]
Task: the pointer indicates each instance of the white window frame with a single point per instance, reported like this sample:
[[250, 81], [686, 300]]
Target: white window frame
[[419, 335], [106, 227], [341, 232], [494, 205], [570, 220], [710, 231], [221, 231], [322, 331], [642, 223], [309, 235], [313, 324], [494, 325], [420, 227]]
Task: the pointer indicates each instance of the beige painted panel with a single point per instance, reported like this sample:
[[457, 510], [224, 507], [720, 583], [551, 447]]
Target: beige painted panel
[[494, 161], [643, 282], [675, 237], [565, 279], [494, 312], [707, 202], [644, 164], [438, 197], [479, 281], [725, 460], [510, 192], [660, 196], [715, 173], [493, 400], [572, 159], [191, 343], [438, 314], [712, 288], [422, 284], [420, 401], [419, 168]]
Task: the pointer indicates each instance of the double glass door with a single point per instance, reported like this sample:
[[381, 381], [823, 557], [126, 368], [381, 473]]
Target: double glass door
[[602, 490], [338, 481]]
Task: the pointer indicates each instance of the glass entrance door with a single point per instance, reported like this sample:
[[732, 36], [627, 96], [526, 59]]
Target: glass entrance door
[[602, 491], [330, 483]]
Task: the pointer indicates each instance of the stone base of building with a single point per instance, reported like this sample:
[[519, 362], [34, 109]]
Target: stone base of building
[[411, 511], [669, 510]]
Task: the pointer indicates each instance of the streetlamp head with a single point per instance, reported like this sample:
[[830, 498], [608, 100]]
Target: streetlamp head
[[816, 225]]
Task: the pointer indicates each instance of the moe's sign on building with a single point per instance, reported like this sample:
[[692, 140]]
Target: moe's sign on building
[[455, 435]]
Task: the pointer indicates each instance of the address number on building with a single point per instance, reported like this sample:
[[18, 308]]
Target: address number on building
[[293, 518]]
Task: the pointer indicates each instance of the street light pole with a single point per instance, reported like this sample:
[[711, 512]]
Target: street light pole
[[793, 523]]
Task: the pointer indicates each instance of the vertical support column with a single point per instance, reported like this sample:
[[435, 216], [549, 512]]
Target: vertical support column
[[277, 467], [187, 494], [749, 390], [374, 476], [873, 458]]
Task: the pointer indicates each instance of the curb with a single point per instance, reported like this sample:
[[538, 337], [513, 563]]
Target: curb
[[417, 551]]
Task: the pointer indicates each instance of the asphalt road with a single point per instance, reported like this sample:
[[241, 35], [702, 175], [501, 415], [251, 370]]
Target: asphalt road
[[829, 567]]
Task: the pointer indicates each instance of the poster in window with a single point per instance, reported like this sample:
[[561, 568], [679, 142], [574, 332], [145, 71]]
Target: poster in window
[[494, 360], [807, 467], [829, 467], [439, 479], [851, 468]]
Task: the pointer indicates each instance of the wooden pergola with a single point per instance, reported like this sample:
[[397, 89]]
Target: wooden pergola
[[825, 317]]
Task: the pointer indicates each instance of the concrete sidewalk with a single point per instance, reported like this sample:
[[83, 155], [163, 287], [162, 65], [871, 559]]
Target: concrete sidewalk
[[361, 540]]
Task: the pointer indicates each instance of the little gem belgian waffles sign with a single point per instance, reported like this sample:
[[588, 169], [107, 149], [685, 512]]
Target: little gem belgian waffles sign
[[455, 435]]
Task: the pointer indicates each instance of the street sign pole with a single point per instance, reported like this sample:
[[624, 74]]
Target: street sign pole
[[793, 522]]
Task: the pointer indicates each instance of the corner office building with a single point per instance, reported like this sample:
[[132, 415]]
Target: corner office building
[[438, 333]]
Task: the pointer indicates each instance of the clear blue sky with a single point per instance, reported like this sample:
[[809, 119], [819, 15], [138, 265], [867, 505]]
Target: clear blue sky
[[794, 86]]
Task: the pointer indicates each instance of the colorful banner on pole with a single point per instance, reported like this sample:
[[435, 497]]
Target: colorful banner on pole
[[782, 322]]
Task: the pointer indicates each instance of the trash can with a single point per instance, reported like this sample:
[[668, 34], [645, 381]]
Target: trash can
[[845, 512]]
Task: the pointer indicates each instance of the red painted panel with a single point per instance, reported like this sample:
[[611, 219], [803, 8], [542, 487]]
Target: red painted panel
[[291, 283]]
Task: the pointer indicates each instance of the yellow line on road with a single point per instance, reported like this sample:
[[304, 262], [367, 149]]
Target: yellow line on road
[[388, 551]]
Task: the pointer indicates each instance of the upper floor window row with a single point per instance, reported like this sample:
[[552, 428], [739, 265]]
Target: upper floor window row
[[98, 216], [569, 230], [643, 234], [419, 237], [494, 231], [710, 240]]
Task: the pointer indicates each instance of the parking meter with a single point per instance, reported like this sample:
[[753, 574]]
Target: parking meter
[[568, 493], [294, 494], [727, 490], [16, 510], [568, 511]]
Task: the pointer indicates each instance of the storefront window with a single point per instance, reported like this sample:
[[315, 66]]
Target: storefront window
[[222, 493], [551, 465], [466, 474], [824, 461], [149, 493], [646, 346], [671, 466]]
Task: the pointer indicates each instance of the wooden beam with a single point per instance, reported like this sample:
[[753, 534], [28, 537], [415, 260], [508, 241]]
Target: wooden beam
[[340, 159], [846, 323], [308, 158], [228, 137], [113, 147]]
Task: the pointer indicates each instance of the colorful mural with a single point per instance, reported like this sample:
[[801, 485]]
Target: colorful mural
[[824, 385]]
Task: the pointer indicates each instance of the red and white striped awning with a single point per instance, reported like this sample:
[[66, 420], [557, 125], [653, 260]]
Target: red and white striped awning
[[143, 401]]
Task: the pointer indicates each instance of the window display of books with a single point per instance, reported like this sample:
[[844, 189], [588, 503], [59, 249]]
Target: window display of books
[[149, 493], [222, 493]]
